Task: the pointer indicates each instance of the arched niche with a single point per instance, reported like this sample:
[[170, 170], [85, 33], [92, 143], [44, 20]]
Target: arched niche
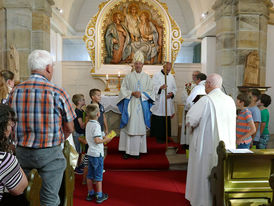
[[96, 29]]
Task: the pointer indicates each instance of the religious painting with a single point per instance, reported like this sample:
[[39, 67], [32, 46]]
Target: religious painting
[[132, 27], [123, 27]]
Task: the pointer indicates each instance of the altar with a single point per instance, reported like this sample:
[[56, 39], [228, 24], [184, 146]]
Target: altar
[[110, 103], [113, 115]]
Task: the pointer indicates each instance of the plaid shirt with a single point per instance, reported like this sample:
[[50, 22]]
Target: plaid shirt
[[41, 108]]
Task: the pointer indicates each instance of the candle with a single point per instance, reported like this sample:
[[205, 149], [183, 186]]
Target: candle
[[106, 76], [118, 74]]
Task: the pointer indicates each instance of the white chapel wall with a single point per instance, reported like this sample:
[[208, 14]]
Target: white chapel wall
[[270, 73], [76, 78]]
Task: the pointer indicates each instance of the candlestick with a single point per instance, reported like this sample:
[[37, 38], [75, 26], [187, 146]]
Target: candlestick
[[119, 81], [106, 76], [107, 87]]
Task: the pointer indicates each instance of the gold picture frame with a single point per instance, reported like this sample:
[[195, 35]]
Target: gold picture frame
[[158, 13]]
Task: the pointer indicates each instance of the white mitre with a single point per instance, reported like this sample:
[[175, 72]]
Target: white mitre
[[138, 57]]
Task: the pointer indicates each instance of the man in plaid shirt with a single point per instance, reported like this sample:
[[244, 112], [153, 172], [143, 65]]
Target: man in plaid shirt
[[45, 120]]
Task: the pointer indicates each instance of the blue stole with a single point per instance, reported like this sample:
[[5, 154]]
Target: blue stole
[[146, 105]]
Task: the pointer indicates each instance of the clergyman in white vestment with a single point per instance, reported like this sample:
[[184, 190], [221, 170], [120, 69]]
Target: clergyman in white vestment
[[213, 119], [134, 102], [158, 118], [199, 89]]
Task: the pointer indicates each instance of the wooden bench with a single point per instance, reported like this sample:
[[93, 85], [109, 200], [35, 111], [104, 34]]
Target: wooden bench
[[31, 196], [243, 178], [32, 192], [67, 187]]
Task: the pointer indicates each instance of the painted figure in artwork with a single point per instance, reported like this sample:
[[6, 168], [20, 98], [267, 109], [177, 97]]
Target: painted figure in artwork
[[117, 40], [251, 74], [132, 21], [148, 43]]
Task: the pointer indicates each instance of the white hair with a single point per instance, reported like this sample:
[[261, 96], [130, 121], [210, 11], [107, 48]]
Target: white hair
[[39, 59], [215, 80]]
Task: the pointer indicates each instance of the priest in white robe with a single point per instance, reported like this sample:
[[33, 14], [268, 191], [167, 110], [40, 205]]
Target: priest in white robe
[[134, 102], [212, 119], [158, 118], [199, 89]]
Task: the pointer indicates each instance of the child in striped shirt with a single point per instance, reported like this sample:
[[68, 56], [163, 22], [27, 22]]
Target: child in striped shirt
[[245, 126]]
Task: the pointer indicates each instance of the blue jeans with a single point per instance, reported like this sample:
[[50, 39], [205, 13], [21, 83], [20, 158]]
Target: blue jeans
[[77, 144], [50, 164], [95, 168], [263, 141], [243, 146]]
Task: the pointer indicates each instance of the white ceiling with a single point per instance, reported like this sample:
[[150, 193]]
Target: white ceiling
[[187, 13]]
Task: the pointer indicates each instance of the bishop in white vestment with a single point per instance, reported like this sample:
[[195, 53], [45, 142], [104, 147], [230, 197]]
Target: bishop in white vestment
[[158, 119], [212, 119], [134, 102]]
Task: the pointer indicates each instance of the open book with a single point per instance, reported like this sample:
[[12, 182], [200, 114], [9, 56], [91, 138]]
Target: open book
[[240, 151]]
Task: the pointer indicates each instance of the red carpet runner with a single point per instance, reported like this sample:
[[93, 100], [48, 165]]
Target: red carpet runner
[[137, 188], [154, 159]]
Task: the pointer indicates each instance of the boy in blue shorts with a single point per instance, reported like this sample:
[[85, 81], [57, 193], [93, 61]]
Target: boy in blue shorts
[[95, 154]]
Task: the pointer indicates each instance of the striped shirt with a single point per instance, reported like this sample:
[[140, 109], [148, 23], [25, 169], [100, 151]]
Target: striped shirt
[[243, 118], [41, 108], [10, 173]]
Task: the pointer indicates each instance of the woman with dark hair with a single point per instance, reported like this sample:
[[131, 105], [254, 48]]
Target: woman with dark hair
[[12, 176]]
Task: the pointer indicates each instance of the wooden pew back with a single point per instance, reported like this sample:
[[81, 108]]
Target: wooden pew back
[[242, 178], [32, 192]]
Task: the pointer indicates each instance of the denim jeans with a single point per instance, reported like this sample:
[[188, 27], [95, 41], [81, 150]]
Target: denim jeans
[[95, 168], [243, 146], [77, 144], [50, 164], [263, 141]]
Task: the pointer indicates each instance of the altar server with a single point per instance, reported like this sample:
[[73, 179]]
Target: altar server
[[158, 121], [134, 102]]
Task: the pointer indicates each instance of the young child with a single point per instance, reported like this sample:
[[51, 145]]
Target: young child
[[95, 154], [95, 95], [245, 126], [256, 114], [9, 78], [7, 84], [264, 102], [79, 126]]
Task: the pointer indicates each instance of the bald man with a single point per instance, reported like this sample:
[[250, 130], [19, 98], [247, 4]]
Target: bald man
[[211, 119]]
